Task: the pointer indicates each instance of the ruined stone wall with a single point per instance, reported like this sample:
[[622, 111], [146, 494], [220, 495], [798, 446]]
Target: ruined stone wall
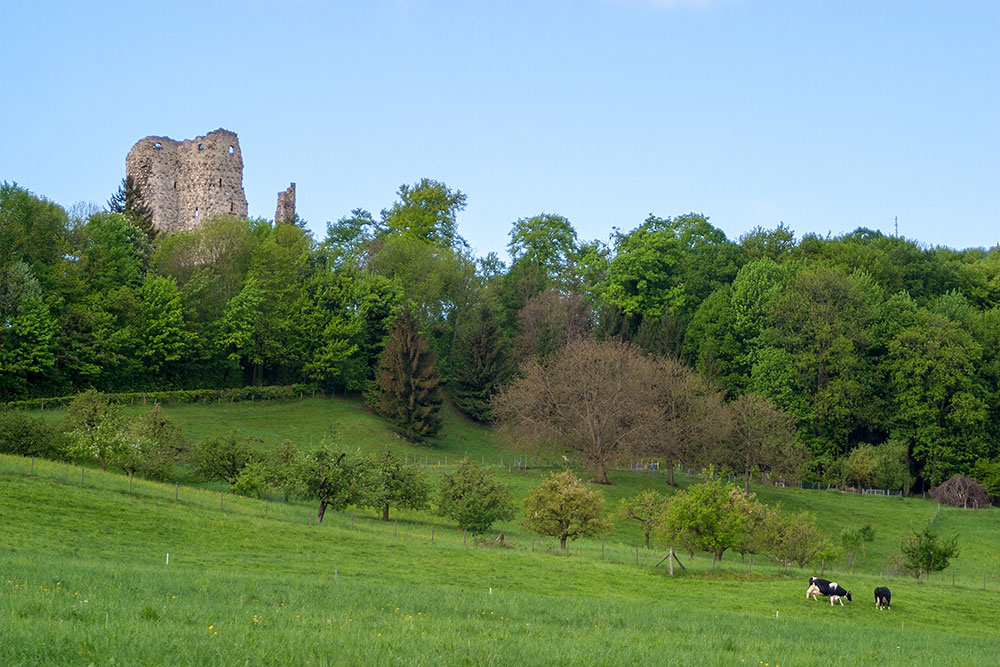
[[186, 182], [286, 205]]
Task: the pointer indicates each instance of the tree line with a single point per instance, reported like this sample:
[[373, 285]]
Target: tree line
[[882, 354]]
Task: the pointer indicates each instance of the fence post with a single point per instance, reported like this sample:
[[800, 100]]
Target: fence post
[[32, 473], [432, 533], [395, 527], [265, 507], [602, 548], [177, 488], [222, 494]]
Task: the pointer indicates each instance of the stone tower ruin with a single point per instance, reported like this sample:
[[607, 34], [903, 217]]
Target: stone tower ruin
[[286, 205], [186, 182]]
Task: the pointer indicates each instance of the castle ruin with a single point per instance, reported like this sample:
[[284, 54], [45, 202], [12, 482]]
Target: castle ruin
[[184, 183]]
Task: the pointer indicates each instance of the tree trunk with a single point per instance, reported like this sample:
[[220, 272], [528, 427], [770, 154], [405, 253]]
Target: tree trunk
[[385, 512], [647, 539], [746, 481], [321, 512], [562, 543], [602, 474], [670, 475]]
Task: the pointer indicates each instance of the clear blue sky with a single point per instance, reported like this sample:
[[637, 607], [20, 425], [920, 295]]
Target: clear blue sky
[[824, 115]]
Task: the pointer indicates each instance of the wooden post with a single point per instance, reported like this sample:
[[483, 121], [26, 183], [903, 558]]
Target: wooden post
[[130, 483], [335, 575], [395, 527], [32, 466], [465, 537], [822, 567], [222, 494], [637, 556], [81, 475], [432, 533], [533, 545], [670, 561], [265, 507], [750, 564], [177, 488], [602, 549]]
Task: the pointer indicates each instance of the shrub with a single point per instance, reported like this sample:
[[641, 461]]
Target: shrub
[[24, 435]]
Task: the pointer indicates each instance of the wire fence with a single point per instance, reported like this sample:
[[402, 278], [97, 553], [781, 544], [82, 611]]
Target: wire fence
[[412, 527]]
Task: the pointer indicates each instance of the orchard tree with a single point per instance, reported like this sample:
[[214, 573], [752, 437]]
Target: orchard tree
[[923, 553], [474, 498], [709, 516], [596, 399], [386, 482], [645, 508], [796, 538], [95, 428], [333, 478], [222, 458], [561, 506], [408, 391]]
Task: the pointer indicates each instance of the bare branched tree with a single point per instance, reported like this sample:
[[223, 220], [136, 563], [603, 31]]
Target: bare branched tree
[[961, 491], [693, 422], [597, 399], [763, 438]]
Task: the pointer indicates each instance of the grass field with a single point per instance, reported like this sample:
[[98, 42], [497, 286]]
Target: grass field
[[85, 579]]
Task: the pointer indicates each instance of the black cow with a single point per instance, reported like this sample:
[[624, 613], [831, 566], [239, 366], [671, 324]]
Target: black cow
[[882, 598], [831, 589]]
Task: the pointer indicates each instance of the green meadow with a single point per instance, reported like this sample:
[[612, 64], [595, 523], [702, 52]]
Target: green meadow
[[93, 572]]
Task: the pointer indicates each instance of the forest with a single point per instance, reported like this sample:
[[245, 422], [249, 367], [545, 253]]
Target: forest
[[882, 353]]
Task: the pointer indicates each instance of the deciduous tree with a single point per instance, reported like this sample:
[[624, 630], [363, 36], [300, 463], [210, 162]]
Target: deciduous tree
[[597, 399], [474, 498], [563, 507], [387, 482], [644, 508]]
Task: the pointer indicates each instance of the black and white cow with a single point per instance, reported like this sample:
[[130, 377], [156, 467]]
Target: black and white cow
[[831, 589], [882, 598]]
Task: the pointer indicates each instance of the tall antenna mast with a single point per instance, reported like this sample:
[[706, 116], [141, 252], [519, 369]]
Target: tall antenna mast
[[897, 225]]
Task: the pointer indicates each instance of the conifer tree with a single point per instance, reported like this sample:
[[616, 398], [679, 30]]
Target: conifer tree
[[481, 362], [408, 391]]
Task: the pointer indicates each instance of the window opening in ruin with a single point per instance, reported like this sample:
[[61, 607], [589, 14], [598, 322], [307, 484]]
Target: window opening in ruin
[[232, 207], [196, 213], [157, 145], [175, 185], [231, 150], [220, 182], [201, 147]]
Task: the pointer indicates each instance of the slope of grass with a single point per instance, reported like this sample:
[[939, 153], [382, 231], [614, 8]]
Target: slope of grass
[[85, 579]]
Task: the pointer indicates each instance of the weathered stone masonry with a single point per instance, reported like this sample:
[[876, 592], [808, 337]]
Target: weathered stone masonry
[[286, 205], [186, 182]]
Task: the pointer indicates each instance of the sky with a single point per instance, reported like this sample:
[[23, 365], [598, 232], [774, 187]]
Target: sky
[[824, 116]]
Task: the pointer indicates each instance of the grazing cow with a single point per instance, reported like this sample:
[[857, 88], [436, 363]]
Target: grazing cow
[[882, 598], [828, 588]]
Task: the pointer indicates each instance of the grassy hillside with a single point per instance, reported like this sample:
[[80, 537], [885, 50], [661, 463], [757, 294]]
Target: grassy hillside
[[85, 579]]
